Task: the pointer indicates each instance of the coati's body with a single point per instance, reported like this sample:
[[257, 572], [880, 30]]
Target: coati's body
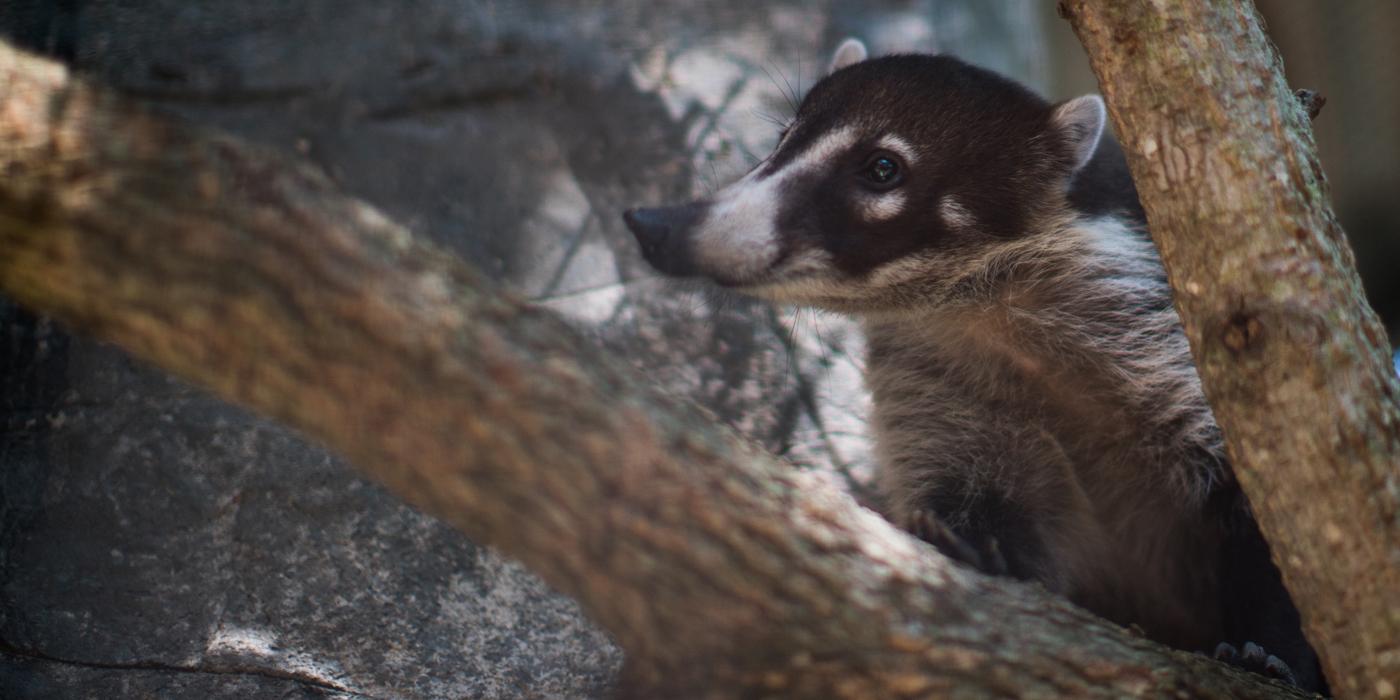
[[1032, 386]]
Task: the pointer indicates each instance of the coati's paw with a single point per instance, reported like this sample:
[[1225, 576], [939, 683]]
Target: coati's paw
[[1255, 659], [984, 556]]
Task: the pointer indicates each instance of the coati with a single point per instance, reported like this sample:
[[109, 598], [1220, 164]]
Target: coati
[[1036, 411]]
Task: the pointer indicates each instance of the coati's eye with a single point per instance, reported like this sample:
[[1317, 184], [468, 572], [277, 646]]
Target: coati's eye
[[882, 171]]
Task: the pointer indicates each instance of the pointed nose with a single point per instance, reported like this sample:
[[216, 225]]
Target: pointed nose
[[650, 227], [663, 234]]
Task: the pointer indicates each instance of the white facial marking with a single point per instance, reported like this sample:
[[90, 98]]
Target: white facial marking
[[954, 213], [883, 206], [899, 147], [822, 149], [738, 238]]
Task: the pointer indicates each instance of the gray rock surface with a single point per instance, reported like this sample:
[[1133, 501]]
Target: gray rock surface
[[156, 542]]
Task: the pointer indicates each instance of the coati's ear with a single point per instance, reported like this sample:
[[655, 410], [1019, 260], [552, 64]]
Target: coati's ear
[[851, 51], [1081, 121]]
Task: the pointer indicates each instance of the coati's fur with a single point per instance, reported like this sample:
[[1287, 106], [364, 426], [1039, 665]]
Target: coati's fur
[[1033, 389]]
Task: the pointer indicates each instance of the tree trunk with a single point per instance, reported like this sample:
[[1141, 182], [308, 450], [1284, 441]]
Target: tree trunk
[[720, 570], [1293, 361]]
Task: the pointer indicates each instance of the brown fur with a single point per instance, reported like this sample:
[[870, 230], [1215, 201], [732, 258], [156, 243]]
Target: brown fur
[[1065, 382]]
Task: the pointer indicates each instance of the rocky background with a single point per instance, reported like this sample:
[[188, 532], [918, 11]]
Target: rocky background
[[156, 542]]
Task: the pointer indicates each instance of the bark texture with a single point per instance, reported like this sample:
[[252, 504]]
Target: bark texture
[[1294, 362], [721, 571]]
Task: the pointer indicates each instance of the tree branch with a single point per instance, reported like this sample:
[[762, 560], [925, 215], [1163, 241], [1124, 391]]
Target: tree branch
[[721, 571], [1293, 360]]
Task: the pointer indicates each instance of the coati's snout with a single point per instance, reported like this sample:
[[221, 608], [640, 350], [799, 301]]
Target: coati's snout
[[664, 234]]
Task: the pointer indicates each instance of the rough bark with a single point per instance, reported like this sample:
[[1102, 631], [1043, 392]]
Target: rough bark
[[1293, 360], [721, 571]]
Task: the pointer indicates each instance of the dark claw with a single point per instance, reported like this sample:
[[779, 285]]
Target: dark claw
[[1274, 667], [988, 559], [1253, 655], [996, 563], [1255, 659], [926, 526]]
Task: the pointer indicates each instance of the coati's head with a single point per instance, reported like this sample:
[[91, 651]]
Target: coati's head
[[897, 178]]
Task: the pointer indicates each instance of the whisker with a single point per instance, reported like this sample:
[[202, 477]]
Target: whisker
[[778, 122], [792, 105], [797, 94], [792, 92]]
